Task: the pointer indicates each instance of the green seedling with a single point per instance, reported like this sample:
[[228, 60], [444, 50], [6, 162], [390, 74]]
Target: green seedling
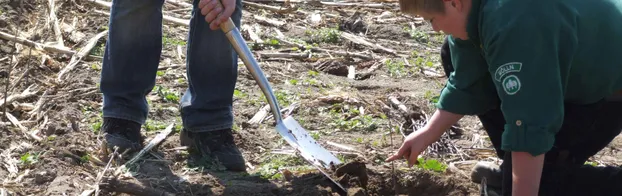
[[431, 165], [29, 159]]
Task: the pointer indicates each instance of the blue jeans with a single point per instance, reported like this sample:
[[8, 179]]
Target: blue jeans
[[131, 61]]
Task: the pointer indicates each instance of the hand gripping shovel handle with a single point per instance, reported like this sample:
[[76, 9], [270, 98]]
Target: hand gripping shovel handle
[[239, 45]]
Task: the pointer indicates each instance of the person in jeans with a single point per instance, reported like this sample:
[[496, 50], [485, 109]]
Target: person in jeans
[[129, 70], [545, 80]]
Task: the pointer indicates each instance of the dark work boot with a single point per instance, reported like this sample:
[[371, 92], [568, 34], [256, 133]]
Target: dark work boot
[[217, 145], [121, 133], [488, 170]]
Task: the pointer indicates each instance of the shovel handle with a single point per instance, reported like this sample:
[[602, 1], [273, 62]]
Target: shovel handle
[[227, 26], [244, 53]]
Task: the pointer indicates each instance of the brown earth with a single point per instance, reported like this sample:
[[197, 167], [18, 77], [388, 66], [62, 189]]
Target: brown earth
[[55, 149]]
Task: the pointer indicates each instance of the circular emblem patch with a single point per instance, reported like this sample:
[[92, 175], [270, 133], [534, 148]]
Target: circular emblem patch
[[511, 84]]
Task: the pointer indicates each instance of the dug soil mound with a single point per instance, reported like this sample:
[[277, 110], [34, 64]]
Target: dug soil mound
[[359, 180]]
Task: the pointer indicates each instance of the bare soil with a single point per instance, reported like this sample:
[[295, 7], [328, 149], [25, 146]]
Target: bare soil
[[51, 143]]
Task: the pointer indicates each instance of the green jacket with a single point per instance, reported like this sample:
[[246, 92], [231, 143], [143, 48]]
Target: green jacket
[[530, 57]]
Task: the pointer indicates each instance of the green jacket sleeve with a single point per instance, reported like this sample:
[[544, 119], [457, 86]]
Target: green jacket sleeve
[[469, 89], [525, 56]]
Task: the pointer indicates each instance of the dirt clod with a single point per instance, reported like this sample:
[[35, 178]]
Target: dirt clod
[[44, 176], [354, 23], [334, 67], [61, 185], [354, 171]]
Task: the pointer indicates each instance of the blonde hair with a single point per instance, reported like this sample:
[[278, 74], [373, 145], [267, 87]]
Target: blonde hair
[[415, 7]]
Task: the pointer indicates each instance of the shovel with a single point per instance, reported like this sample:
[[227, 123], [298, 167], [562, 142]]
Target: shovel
[[288, 128]]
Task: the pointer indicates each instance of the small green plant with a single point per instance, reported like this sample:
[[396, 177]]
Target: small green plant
[[419, 36], [293, 81], [96, 126], [99, 49], [239, 94], [315, 135], [29, 159], [432, 97], [151, 125], [396, 68], [95, 67], [167, 94], [178, 126], [304, 44], [85, 158], [166, 41], [269, 169], [285, 98], [271, 41], [424, 60], [312, 73], [352, 120], [327, 35], [311, 82], [235, 128], [342, 158], [432, 165]]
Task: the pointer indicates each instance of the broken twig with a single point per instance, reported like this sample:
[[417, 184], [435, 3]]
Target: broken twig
[[56, 27], [169, 19], [316, 49], [154, 142], [273, 22], [363, 41], [77, 57], [284, 55], [25, 94], [22, 128], [369, 71], [280, 10], [42, 47], [260, 115]]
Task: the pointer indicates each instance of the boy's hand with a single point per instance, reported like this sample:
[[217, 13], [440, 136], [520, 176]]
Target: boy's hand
[[413, 145], [216, 11], [419, 140]]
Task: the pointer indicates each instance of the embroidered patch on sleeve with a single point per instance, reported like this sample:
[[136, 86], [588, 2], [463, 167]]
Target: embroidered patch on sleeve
[[506, 69], [511, 84]]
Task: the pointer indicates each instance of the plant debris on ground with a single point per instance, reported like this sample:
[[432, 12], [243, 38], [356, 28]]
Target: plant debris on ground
[[359, 76]]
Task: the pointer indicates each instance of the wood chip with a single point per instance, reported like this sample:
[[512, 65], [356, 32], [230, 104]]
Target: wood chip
[[269, 21], [42, 47], [77, 57], [363, 41]]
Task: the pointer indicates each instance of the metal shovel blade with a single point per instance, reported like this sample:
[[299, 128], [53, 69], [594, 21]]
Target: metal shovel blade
[[289, 128], [309, 148]]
